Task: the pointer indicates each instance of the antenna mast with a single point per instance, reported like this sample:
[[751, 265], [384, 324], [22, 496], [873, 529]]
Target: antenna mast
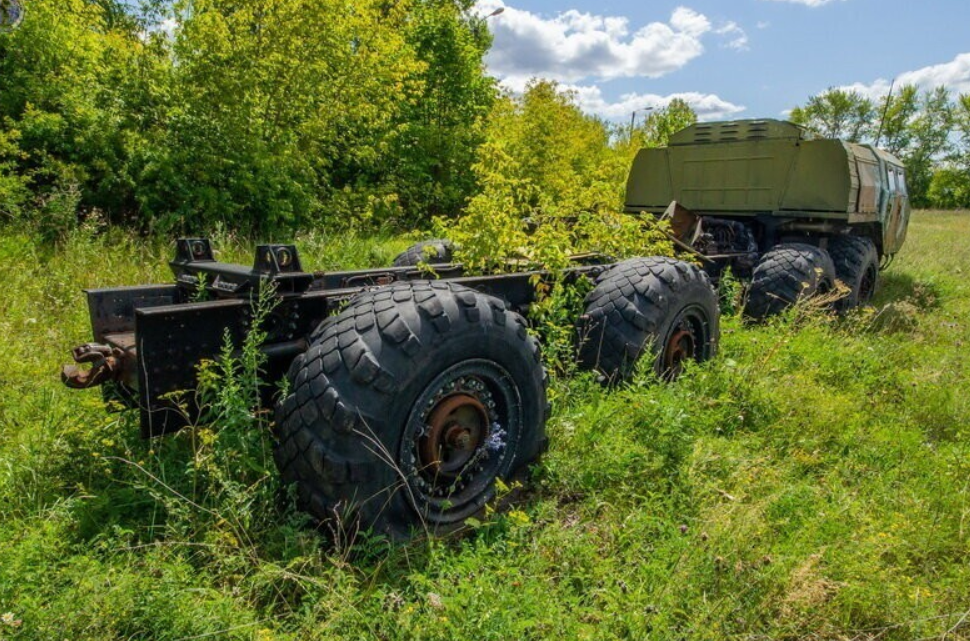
[[885, 110]]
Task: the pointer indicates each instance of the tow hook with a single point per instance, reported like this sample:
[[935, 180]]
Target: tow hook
[[106, 365]]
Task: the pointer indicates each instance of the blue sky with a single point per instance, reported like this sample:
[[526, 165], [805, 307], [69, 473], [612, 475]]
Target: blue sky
[[729, 58]]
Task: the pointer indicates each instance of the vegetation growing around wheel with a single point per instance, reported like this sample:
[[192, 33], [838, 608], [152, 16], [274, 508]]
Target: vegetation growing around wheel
[[856, 264], [438, 251], [786, 275], [658, 306], [412, 397], [373, 424]]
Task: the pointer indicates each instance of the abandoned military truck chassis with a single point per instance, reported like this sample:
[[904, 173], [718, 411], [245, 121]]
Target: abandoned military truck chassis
[[412, 392], [785, 210], [409, 395]]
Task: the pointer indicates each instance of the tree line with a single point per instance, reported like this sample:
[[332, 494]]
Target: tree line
[[928, 130], [269, 116], [257, 115]]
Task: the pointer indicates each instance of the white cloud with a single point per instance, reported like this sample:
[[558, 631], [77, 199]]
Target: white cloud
[[573, 45], [688, 21], [808, 3], [954, 75], [707, 106], [738, 39]]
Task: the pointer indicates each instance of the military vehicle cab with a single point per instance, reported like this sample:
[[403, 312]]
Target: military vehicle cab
[[778, 204]]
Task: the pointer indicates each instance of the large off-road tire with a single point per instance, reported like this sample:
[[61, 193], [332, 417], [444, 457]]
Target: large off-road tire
[[785, 275], [408, 406], [660, 307], [437, 251], [856, 263]]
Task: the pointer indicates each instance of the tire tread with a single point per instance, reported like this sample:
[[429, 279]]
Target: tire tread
[[322, 433], [628, 307], [785, 275]]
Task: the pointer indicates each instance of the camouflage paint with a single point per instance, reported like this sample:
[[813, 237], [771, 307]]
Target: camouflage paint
[[747, 168]]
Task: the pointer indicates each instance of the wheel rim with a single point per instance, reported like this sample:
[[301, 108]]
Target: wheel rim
[[460, 436], [867, 286], [679, 348], [457, 426], [687, 340]]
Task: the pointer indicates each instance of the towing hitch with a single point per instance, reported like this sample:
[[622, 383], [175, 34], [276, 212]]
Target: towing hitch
[[106, 365]]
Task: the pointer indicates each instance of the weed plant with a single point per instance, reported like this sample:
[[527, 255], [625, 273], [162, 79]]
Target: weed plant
[[809, 483]]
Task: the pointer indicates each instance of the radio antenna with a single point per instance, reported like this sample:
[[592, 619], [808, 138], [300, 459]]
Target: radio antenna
[[885, 110]]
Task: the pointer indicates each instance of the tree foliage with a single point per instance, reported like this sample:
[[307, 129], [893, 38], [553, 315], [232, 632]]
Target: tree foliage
[[261, 116], [662, 123], [63, 102], [929, 144], [837, 113], [894, 133], [552, 182], [442, 128], [269, 115], [950, 184]]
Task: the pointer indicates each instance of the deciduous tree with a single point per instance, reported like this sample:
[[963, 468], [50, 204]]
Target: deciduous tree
[[837, 113]]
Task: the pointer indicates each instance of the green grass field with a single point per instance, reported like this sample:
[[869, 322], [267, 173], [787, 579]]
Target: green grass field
[[813, 482]]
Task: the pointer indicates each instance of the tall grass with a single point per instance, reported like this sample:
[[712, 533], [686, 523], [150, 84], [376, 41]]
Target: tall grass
[[811, 482]]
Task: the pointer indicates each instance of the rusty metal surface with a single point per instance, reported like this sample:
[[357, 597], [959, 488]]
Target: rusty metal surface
[[106, 364], [679, 349], [457, 427], [683, 222]]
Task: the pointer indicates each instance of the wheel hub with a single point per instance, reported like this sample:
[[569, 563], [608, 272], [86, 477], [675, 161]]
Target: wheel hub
[[680, 347], [457, 427], [459, 438]]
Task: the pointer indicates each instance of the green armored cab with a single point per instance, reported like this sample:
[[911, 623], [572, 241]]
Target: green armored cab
[[776, 203]]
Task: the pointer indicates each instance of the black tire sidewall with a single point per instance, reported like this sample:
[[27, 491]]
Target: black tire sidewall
[[785, 275], [475, 327], [695, 299], [389, 428], [853, 257], [416, 254]]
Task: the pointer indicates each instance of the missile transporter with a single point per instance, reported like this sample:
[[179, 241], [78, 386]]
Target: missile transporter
[[412, 391], [788, 211]]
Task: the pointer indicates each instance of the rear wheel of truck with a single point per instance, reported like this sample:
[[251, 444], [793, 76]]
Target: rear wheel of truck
[[437, 251], [408, 407], [856, 263], [785, 275], [658, 306]]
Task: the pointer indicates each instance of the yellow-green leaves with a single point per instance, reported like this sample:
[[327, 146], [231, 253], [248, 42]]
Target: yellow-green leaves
[[551, 181]]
